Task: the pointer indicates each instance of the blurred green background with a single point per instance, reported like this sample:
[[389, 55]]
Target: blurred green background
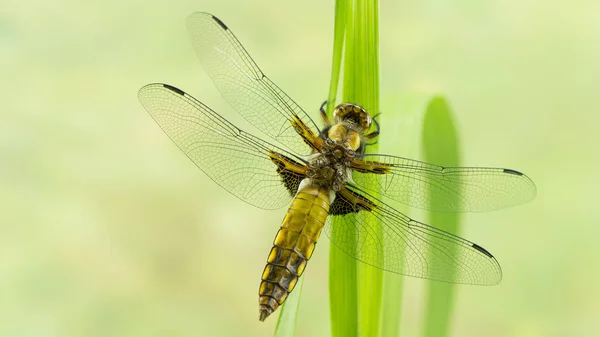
[[106, 229]]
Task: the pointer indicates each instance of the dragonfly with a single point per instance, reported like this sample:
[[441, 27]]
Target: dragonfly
[[324, 176]]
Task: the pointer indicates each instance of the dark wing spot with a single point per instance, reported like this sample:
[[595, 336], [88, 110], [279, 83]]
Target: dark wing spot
[[509, 171], [173, 89], [219, 22], [481, 249]]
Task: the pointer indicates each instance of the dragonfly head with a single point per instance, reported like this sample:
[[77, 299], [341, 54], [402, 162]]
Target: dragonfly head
[[354, 115]]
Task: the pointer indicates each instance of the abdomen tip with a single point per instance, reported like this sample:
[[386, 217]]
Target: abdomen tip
[[264, 313]]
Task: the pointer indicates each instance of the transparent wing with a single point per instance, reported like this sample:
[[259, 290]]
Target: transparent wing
[[246, 166], [244, 85], [454, 189], [405, 246]]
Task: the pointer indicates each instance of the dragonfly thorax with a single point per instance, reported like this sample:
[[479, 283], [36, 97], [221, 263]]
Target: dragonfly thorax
[[330, 168]]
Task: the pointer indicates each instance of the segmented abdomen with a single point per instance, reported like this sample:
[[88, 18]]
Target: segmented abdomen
[[293, 247]]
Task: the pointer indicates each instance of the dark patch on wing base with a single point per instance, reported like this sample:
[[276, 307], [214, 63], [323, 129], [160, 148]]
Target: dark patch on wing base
[[290, 171], [289, 182], [347, 201], [341, 206]]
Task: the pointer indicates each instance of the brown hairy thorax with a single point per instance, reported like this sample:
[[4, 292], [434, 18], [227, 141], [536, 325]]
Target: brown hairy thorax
[[330, 168]]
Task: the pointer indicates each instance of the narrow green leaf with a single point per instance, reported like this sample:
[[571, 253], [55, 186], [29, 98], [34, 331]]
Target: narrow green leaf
[[342, 268], [355, 310], [338, 48], [342, 294], [440, 146], [349, 58], [366, 93], [286, 324], [391, 305]]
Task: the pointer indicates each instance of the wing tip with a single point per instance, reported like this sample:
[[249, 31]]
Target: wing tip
[[532, 189], [143, 90], [498, 278], [497, 274]]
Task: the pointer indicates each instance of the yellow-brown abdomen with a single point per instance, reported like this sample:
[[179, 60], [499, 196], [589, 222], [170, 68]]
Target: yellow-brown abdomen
[[293, 247]]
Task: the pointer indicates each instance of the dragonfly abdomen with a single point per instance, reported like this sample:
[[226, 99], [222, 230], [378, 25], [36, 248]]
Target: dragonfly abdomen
[[293, 246]]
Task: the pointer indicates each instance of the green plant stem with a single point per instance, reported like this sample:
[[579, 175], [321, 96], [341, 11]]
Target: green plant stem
[[366, 92], [342, 268], [355, 310], [338, 49]]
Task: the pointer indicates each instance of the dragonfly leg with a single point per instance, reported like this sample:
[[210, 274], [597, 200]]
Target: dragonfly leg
[[372, 143], [324, 114], [376, 132]]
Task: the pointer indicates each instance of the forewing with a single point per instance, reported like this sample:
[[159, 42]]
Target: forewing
[[371, 231], [454, 189], [246, 166], [244, 85]]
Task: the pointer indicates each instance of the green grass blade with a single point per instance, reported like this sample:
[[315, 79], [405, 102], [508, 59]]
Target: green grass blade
[[342, 294], [356, 310], [338, 49], [391, 305], [348, 89], [440, 146], [286, 324], [366, 92], [342, 268]]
